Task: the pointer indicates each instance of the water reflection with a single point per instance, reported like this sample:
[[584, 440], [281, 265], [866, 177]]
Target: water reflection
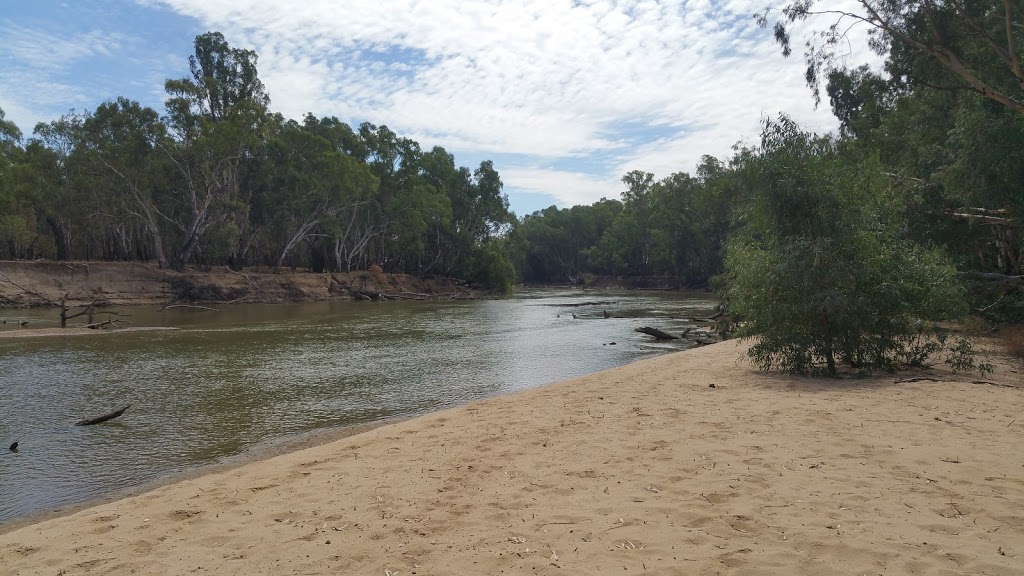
[[228, 381]]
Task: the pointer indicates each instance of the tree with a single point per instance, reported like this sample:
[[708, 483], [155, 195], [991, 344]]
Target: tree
[[15, 233], [313, 183], [820, 274], [120, 140], [977, 43], [60, 177], [216, 118]]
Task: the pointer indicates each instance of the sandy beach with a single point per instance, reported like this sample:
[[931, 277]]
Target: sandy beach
[[642, 469]]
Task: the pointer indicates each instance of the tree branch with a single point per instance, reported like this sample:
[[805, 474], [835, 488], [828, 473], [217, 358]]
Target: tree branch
[[1011, 44]]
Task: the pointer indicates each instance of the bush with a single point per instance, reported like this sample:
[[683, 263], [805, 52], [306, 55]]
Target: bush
[[491, 269], [820, 275]]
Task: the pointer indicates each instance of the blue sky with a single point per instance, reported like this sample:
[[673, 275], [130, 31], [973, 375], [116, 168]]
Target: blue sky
[[564, 96]]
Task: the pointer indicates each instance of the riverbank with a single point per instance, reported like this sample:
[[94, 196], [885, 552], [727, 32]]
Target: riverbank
[[75, 331], [639, 469], [39, 283]]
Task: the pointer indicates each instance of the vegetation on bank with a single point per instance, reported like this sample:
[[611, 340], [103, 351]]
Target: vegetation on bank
[[220, 180], [837, 249]]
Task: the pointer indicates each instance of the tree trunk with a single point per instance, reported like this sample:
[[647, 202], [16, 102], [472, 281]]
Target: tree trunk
[[301, 234]]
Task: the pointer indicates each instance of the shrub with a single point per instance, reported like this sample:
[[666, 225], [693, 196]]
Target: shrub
[[820, 275]]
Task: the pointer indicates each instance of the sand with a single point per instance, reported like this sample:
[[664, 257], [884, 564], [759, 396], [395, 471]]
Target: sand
[[76, 331], [642, 469]]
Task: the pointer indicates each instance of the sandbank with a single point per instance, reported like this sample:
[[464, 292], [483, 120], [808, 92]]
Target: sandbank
[[642, 469], [76, 331]]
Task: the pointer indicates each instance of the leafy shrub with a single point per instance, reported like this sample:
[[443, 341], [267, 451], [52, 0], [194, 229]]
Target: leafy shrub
[[820, 275]]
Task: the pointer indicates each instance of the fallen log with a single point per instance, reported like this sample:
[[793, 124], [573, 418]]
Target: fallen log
[[578, 304], [103, 418], [169, 306], [98, 325], [710, 319], [659, 334]]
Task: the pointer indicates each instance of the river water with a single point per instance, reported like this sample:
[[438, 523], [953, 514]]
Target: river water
[[245, 379]]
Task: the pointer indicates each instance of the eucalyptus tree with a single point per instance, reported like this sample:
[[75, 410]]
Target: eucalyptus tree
[[65, 199], [15, 233], [559, 243], [316, 188], [394, 161], [945, 116], [121, 142], [216, 118], [975, 45]]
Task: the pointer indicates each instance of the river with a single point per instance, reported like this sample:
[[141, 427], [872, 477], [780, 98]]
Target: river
[[246, 380]]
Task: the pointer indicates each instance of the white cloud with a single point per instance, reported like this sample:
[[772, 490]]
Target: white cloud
[[44, 50], [544, 79], [569, 188], [31, 84]]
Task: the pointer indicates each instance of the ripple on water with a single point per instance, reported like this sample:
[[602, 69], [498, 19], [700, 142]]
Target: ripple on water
[[251, 375]]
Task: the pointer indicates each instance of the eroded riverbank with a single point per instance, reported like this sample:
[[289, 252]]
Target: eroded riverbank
[[26, 284]]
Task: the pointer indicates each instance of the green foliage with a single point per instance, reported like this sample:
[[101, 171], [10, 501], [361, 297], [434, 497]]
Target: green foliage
[[973, 46], [673, 227], [221, 180], [820, 274], [490, 268]]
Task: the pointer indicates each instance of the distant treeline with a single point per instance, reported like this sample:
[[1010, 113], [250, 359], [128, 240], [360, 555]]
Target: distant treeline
[[921, 189], [674, 227], [928, 153], [218, 180]]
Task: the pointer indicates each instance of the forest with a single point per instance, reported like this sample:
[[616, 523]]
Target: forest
[[929, 155], [220, 180], [926, 167]]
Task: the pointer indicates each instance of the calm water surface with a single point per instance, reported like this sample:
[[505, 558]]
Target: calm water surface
[[246, 377]]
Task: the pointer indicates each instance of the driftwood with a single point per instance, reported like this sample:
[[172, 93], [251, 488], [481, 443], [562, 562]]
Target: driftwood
[[102, 324], [710, 319], [169, 306], [64, 316], [103, 418], [577, 305], [659, 334], [364, 295]]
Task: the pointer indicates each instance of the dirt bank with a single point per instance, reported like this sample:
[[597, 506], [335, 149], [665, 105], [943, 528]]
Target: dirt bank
[[123, 283]]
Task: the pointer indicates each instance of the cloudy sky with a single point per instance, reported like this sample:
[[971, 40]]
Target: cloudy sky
[[564, 96]]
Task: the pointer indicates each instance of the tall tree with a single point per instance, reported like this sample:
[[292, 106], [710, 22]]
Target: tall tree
[[216, 117], [977, 43], [121, 140], [313, 185]]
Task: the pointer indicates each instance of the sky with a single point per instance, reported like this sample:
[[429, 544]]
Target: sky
[[565, 96]]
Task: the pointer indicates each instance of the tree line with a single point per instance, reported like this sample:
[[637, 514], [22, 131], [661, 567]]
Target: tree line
[[220, 180], [842, 249], [834, 249]]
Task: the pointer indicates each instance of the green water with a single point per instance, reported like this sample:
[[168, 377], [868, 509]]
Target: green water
[[248, 377]]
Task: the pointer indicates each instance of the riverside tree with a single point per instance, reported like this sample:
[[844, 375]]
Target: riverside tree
[[221, 180], [820, 274], [974, 45]]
